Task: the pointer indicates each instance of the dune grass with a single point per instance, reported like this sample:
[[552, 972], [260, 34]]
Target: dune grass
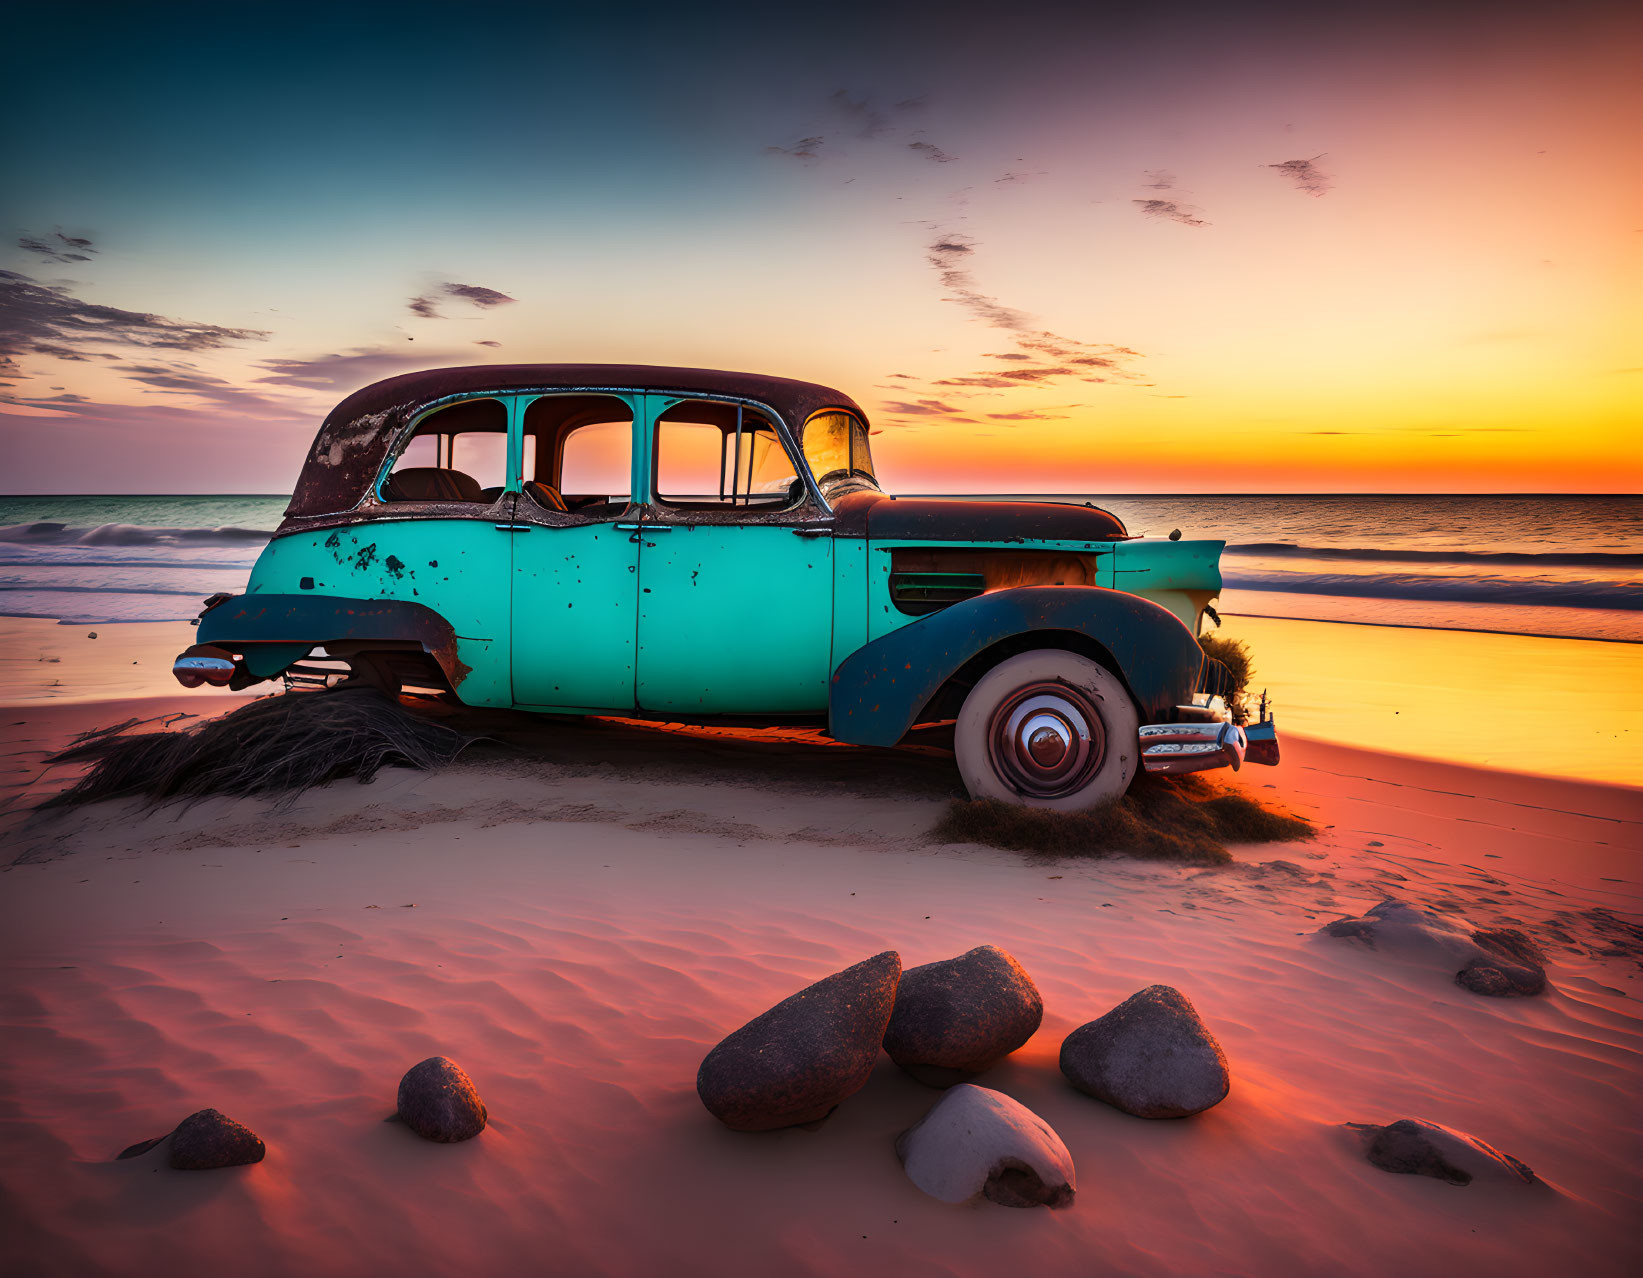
[[281, 745], [1181, 819], [1240, 667]]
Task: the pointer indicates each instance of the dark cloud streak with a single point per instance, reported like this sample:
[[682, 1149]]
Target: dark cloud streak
[[47, 319], [1306, 175], [426, 305], [59, 247]]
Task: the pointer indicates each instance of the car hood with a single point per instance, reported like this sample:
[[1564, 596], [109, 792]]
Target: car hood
[[883, 518]]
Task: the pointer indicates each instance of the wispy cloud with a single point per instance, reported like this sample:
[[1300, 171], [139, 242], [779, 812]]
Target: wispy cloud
[[58, 247], [182, 379], [920, 408], [930, 151], [1028, 415], [485, 298], [1171, 211], [1040, 356], [1306, 175], [426, 305], [345, 370], [868, 120], [806, 150], [949, 255], [168, 384], [48, 320], [1164, 206]]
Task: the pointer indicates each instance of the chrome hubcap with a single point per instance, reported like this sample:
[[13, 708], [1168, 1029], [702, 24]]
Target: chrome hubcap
[[1046, 740]]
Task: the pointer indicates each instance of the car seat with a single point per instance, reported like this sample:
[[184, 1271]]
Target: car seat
[[544, 495], [431, 483]]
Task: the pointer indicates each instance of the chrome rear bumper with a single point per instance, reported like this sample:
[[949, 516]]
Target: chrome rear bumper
[[203, 664], [1193, 747]]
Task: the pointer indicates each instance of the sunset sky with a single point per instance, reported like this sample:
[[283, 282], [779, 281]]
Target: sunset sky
[[1048, 249]]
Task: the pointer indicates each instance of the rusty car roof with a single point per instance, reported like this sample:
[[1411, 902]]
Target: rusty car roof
[[795, 400], [356, 434]]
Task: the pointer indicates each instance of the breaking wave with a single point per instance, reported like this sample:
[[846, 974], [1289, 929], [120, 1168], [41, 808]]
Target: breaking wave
[[1550, 559], [46, 533], [1620, 596]]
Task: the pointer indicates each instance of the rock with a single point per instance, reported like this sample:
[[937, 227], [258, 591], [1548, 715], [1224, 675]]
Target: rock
[[438, 1101], [954, 1019], [1150, 1056], [1501, 964], [1495, 979], [796, 1062], [210, 1139], [976, 1141], [1415, 1147]]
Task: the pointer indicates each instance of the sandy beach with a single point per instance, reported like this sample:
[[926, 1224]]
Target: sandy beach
[[577, 915], [865, 643]]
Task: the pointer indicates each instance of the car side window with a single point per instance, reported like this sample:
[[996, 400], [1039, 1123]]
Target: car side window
[[716, 456], [579, 454], [458, 453]]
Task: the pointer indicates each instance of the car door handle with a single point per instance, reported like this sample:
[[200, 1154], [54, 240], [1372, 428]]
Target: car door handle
[[513, 527], [811, 532], [646, 528]]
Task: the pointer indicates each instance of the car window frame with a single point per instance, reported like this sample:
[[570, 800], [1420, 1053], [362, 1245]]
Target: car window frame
[[403, 440], [806, 510], [527, 508]]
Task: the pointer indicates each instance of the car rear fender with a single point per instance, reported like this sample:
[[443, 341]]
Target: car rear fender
[[880, 690], [271, 632]]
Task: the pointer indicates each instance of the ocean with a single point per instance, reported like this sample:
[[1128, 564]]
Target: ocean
[[1561, 566]]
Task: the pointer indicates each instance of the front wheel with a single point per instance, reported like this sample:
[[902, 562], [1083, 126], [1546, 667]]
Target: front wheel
[[1048, 729]]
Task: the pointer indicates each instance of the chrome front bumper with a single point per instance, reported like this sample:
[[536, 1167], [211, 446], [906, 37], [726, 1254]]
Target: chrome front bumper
[[1193, 747]]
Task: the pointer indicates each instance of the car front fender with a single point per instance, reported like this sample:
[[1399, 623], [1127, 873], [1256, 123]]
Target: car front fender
[[277, 630], [878, 691]]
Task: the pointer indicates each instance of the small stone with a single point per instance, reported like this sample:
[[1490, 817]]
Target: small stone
[[1150, 1056], [795, 1063], [959, 1017], [1414, 1147], [210, 1139], [438, 1101], [141, 1147], [975, 1141]]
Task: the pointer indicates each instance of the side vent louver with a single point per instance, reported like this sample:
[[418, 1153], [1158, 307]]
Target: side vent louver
[[922, 592]]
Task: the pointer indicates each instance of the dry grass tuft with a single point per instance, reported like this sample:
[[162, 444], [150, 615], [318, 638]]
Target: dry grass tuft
[[276, 745], [1161, 819], [1234, 655]]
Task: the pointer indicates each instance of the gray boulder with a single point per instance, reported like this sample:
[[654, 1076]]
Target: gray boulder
[[210, 1139], [1150, 1056], [956, 1018], [438, 1101], [1500, 964], [1415, 1147], [976, 1142], [793, 1064]]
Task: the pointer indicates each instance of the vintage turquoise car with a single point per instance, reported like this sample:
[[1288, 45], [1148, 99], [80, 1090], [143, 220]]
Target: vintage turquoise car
[[685, 545]]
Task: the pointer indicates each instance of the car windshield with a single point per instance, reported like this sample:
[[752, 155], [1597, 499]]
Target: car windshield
[[835, 445]]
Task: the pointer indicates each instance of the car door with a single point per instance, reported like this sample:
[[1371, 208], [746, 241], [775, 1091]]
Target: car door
[[575, 588], [735, 606]]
